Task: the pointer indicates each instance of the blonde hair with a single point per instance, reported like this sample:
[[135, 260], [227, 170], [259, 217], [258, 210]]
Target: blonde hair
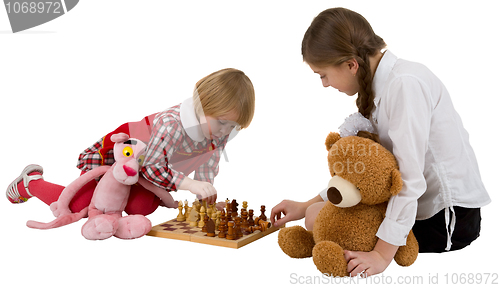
[[337, 35], [223, 92]]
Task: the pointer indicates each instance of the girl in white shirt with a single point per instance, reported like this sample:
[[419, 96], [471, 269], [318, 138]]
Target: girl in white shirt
[[412, 112]]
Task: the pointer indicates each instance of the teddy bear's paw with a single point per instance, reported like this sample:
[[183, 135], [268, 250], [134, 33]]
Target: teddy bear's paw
[[407, 254], [296, 242], [329, 259], [100, 227], [133, 226]]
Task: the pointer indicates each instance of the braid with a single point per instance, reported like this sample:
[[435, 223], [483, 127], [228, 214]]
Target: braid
[[365, 94]]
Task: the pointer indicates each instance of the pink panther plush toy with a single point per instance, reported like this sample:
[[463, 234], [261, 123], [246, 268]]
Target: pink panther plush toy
[[109, 199]]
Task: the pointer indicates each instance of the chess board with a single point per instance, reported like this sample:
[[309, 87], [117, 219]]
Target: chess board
[[174, 229]]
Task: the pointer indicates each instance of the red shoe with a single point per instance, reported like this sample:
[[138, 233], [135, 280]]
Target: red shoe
[[12, 192]]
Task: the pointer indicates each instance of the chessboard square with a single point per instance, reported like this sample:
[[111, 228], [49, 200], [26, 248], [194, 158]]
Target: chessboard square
[[169, 229]]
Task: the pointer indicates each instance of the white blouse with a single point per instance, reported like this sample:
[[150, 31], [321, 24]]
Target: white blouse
[[416, 121]]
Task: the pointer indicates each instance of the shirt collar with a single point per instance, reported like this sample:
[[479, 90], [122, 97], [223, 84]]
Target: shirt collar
[[384, 68], [190, 122]]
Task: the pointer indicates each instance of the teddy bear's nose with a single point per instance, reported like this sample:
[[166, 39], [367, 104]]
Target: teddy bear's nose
[[334, 195]]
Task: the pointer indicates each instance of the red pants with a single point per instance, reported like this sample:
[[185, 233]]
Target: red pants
[[141, 201]]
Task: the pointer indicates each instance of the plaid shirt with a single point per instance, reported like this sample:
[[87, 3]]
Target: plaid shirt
[[168, 137]]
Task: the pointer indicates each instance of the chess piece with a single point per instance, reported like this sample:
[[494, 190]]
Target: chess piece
[[210, 210], [244, 219], [264, 225], [237, 227], [230, 231], [196, 205], [210, 227], [214, 217], [180, 217], [252, 229], [222, 230], [228, 216], [261, 226], [245, 205], [218, 219], [250, 218], [193, 217], [186, 208], [205, 220], [234, 207], [262, 215], [202, 217]]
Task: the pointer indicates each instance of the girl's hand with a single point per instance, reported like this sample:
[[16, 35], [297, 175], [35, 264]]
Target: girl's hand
[[370, 263], [292, 210], [365, 263]]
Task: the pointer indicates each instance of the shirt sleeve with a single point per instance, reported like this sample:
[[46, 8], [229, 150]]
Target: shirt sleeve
[[324, 194], [166, 135], [409, 109], [91, 158]]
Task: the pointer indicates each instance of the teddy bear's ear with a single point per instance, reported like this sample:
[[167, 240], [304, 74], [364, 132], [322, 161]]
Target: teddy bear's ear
[[331, 139], [397, 182]]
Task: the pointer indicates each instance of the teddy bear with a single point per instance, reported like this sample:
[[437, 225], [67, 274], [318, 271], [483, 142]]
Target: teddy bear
[[364, 176]]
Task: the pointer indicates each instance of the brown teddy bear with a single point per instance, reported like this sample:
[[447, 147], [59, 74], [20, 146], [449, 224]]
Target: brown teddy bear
[[364, 176]]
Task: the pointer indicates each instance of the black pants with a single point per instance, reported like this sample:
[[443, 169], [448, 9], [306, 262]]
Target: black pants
[[432, 233]]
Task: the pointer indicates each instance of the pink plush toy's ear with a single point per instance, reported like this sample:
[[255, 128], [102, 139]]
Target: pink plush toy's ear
[[119, 138]]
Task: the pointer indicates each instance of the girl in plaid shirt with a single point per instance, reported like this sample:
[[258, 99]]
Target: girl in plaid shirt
[[188, 137]]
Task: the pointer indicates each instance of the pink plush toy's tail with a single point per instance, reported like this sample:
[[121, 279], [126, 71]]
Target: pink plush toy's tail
[[60, 221]]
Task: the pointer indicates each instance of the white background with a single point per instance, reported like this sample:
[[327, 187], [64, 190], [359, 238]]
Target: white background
[[68, 82]]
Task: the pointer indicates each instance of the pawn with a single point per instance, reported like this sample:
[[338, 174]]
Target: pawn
[[245, 205], [180, 217], [244, 220], [264, 225], [230, 231], [237, 227], [201, 223], [262, 215], [222, 230], [250, 217]]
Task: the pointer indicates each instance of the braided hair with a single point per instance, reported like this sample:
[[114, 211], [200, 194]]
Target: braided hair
[[337, 35]]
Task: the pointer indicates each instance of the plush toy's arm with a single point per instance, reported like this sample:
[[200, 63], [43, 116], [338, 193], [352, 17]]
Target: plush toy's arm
[[163, 194], [61, 206]]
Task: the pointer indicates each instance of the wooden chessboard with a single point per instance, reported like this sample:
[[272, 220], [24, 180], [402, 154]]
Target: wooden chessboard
[[174, 229]]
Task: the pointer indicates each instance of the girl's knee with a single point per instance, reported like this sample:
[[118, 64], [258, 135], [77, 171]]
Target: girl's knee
[[141, 201], [311, 213]]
